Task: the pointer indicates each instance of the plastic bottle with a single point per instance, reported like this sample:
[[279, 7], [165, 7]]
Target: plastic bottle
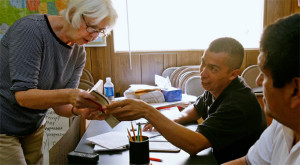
[[109, 89]]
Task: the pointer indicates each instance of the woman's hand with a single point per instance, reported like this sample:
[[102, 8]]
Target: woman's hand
[[82, 99], [91, 113]]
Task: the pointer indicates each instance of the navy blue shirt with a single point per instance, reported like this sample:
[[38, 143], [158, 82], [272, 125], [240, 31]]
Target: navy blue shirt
[[232, 122], [33, 57]]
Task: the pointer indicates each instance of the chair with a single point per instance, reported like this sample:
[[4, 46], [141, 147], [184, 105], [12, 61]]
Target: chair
[[184, 77], [193, 86], [86, 75], [175, 73], [85, 84], [250, 74], [167, 72], [174, 78], [183, 73]]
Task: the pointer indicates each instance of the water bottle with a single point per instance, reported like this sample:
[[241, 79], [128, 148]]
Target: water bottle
[[109, 89]]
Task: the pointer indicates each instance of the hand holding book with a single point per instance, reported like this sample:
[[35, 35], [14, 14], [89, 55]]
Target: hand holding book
[[102, 101]]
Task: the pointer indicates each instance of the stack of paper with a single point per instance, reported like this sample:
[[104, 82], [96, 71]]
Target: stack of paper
[[109, 141], [170, 112]]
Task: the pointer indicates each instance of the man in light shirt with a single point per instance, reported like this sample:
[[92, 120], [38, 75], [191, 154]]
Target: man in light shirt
[[280, 78]]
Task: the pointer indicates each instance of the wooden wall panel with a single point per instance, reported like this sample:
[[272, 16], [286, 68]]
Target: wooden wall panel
[[170, 59], [101, 63], [295, 7], [275, 9], [244, 62], [123, 75], [189, 58], [151, 65], [88, 63], [251, 57]]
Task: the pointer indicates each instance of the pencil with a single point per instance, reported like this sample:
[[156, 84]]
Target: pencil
[[138, 135], [129, 135], [141, 138], [133, 132]]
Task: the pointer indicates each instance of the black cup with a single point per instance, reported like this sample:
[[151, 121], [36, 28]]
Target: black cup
[[139, 151]]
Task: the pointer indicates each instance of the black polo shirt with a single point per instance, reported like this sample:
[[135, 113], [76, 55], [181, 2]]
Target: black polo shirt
[[232, 122]]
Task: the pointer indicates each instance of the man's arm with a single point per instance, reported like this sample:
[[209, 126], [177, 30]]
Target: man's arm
[[239, 161], [188, 140], [189, 114]]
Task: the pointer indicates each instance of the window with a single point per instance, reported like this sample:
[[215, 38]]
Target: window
[[186, 24]]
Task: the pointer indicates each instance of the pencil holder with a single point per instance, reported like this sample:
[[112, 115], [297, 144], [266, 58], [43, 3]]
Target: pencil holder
[[139, 152]]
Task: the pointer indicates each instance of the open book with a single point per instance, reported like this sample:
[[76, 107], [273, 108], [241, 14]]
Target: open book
[[103, 100]]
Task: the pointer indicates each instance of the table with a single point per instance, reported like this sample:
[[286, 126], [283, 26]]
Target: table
[[122, 157]]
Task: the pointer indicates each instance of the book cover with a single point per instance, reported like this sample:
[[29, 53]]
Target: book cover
[[103, 100]]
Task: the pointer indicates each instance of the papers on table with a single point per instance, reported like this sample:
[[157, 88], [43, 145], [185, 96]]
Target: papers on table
[[171, 113], [109, 141], [100, 148], [151, 134], [156, 146], [113, 141]]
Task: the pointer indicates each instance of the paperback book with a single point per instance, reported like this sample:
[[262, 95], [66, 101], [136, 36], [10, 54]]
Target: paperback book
[[101, 101]]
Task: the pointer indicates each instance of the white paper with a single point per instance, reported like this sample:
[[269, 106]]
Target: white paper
[[162, 82], [153, 97], [110, 140], [151, 134], [100, 148]]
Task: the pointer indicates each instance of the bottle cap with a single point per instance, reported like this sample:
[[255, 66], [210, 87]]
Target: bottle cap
[[108, 79]]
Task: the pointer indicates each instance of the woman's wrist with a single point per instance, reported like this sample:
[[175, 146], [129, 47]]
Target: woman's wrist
[[72, 110]]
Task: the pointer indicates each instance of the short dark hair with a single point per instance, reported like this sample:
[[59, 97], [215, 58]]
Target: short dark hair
[[231, 46], [280, 45]]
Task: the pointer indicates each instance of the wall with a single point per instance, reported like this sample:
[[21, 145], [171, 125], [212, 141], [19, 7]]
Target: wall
[[103, 62]]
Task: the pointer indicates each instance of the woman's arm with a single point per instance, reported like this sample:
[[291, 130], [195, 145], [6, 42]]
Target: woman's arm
[[44, 99]]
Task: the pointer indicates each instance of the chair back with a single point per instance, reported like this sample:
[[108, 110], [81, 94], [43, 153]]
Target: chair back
[[184, 77], [250, 74], [193, 86], [167, 72], [86, 75]]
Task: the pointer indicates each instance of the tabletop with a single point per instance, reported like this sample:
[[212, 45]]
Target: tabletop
[[122, 157]]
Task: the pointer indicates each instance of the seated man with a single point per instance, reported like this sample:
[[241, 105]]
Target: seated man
[[280, 78], [233, 118]]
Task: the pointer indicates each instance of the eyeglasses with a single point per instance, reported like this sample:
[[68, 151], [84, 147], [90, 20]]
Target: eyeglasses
[[91, 30]]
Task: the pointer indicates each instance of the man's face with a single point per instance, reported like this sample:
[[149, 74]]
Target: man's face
[[274, 98], [214, 72]]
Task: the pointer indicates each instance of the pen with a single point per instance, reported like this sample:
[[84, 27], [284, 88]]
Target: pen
[[133, 132], [129, 135], [155, 159]]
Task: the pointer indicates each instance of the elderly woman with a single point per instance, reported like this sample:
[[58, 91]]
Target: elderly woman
[[41, 61]]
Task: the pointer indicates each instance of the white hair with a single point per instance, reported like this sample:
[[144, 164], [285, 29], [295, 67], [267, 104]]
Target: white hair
[[95, 9]]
